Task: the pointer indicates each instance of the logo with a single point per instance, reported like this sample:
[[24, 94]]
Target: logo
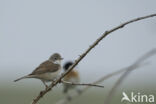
[[137, 97]]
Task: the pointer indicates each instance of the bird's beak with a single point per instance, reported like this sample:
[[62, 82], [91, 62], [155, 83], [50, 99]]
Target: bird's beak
[[61, 58]]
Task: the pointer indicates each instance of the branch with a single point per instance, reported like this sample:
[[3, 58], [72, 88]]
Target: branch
[[139, 61], [81, 84], [127, 72], [42, 93], [66, 100]]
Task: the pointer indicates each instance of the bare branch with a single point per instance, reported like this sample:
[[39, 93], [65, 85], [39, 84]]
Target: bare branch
[[127, 72], [81, 84], [42, 93], [136, 64], [66, 101]]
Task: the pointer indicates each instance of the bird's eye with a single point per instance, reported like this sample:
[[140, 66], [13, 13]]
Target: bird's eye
[[55, 58]]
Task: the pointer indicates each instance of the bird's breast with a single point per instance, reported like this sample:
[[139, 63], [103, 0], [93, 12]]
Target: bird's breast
[[49, 76]]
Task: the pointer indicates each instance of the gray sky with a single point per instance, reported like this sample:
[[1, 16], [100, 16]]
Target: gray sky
[[32, 30]]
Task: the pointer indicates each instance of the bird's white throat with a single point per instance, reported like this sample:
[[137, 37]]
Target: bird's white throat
[[57, 62]]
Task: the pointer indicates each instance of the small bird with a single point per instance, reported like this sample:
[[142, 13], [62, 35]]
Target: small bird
[[72, 76], [46, 71]]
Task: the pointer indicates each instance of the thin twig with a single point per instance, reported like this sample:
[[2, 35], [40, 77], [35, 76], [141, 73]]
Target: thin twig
[[42, 93], [82, 84], [127, 72], [66, 101], [139, 61]]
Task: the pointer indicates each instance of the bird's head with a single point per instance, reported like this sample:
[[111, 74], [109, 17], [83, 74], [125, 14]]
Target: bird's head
[[67, 65], [56, 58]]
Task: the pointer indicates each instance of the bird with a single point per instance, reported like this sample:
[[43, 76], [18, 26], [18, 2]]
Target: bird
[[72, 76], [46, 71]]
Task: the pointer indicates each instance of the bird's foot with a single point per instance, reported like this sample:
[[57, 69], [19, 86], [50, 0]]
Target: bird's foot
[[46, 87]]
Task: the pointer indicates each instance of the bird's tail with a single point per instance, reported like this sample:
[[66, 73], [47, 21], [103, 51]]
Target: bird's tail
[[27, 76]]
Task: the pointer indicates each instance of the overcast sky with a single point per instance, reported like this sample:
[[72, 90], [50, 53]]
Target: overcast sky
[[32, 30]]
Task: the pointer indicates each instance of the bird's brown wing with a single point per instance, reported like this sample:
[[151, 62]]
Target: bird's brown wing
[[45, 67]]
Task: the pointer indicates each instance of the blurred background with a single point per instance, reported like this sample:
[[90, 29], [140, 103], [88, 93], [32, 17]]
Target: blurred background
[[32, 30]]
